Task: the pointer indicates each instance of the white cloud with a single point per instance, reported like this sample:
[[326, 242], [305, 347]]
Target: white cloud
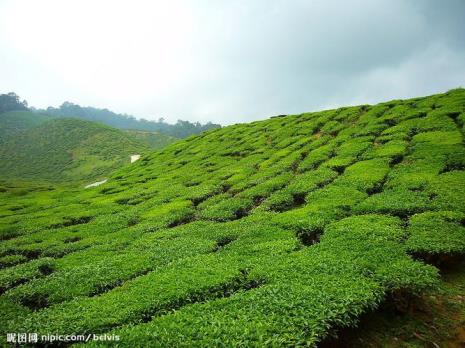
[[227, 61], [433, 70]]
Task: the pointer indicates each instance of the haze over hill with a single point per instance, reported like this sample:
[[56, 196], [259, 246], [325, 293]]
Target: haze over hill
[[273, 233]]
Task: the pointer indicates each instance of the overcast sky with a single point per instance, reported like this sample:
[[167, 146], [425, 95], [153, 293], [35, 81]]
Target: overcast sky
[[229, 61]]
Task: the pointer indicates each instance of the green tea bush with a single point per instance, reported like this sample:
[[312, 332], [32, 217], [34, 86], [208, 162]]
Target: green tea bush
[[316, 157], [366, 176], [274, 233], [311, 180], [170, 214], [448, 190], [11, 260], [401, 203], [439, 232], [228, 209], [25, 272], [298, 291], [396, 149]]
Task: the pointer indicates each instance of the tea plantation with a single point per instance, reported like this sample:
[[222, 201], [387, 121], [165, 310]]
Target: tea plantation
[[274, 233], [38, 147]]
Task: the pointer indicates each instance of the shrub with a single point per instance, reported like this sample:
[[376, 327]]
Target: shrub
[[448, 190], [228, 209], [23, 273], [402, 203], [394, 149], [316, 157], [170, 214], [11, 260], [439, 232], [367, 176]]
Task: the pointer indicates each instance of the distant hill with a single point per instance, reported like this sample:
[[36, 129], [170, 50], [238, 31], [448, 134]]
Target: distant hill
[[155, 140], [14, 122], [34, 146], [11, 102], [180, 129]]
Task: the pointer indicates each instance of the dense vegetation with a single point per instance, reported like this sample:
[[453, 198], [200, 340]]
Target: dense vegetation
[[33, 146], [11, 102], [180, 129], [15, 122], [274, 233], [155, 140]]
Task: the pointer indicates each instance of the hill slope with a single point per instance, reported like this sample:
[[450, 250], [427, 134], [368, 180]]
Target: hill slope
[[180, 129], [155, 140], [62, 149], [273, 233], [14, 122]]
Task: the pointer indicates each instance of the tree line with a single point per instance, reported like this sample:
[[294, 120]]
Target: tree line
[[11, 102], [181, 129]]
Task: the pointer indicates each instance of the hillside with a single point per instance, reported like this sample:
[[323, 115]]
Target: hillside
[[155, 140], [180, 129], [15, 115], [38, 147], [281, 232], [14, 122]]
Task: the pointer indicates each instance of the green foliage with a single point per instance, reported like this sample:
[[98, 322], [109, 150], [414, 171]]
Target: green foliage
[[63, 149], [170, 214], [155, 140], [273, 233], [16, 275], [181, 129], [395, 202], [226, 209], [11, 102], [394, 149], [316, 157], [14, 122], [365, 176], [439, 232]]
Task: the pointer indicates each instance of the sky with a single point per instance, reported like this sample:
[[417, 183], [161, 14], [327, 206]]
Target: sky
[[229, 61]]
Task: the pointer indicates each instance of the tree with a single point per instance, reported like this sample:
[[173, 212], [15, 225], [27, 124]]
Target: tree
[[11, 102]]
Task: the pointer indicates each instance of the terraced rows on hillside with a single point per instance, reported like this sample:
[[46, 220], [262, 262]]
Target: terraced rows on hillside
[[276, 232], [38, 147]]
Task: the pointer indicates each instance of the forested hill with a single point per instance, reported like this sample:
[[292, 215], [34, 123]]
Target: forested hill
[[180, 129], [276, 233]]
